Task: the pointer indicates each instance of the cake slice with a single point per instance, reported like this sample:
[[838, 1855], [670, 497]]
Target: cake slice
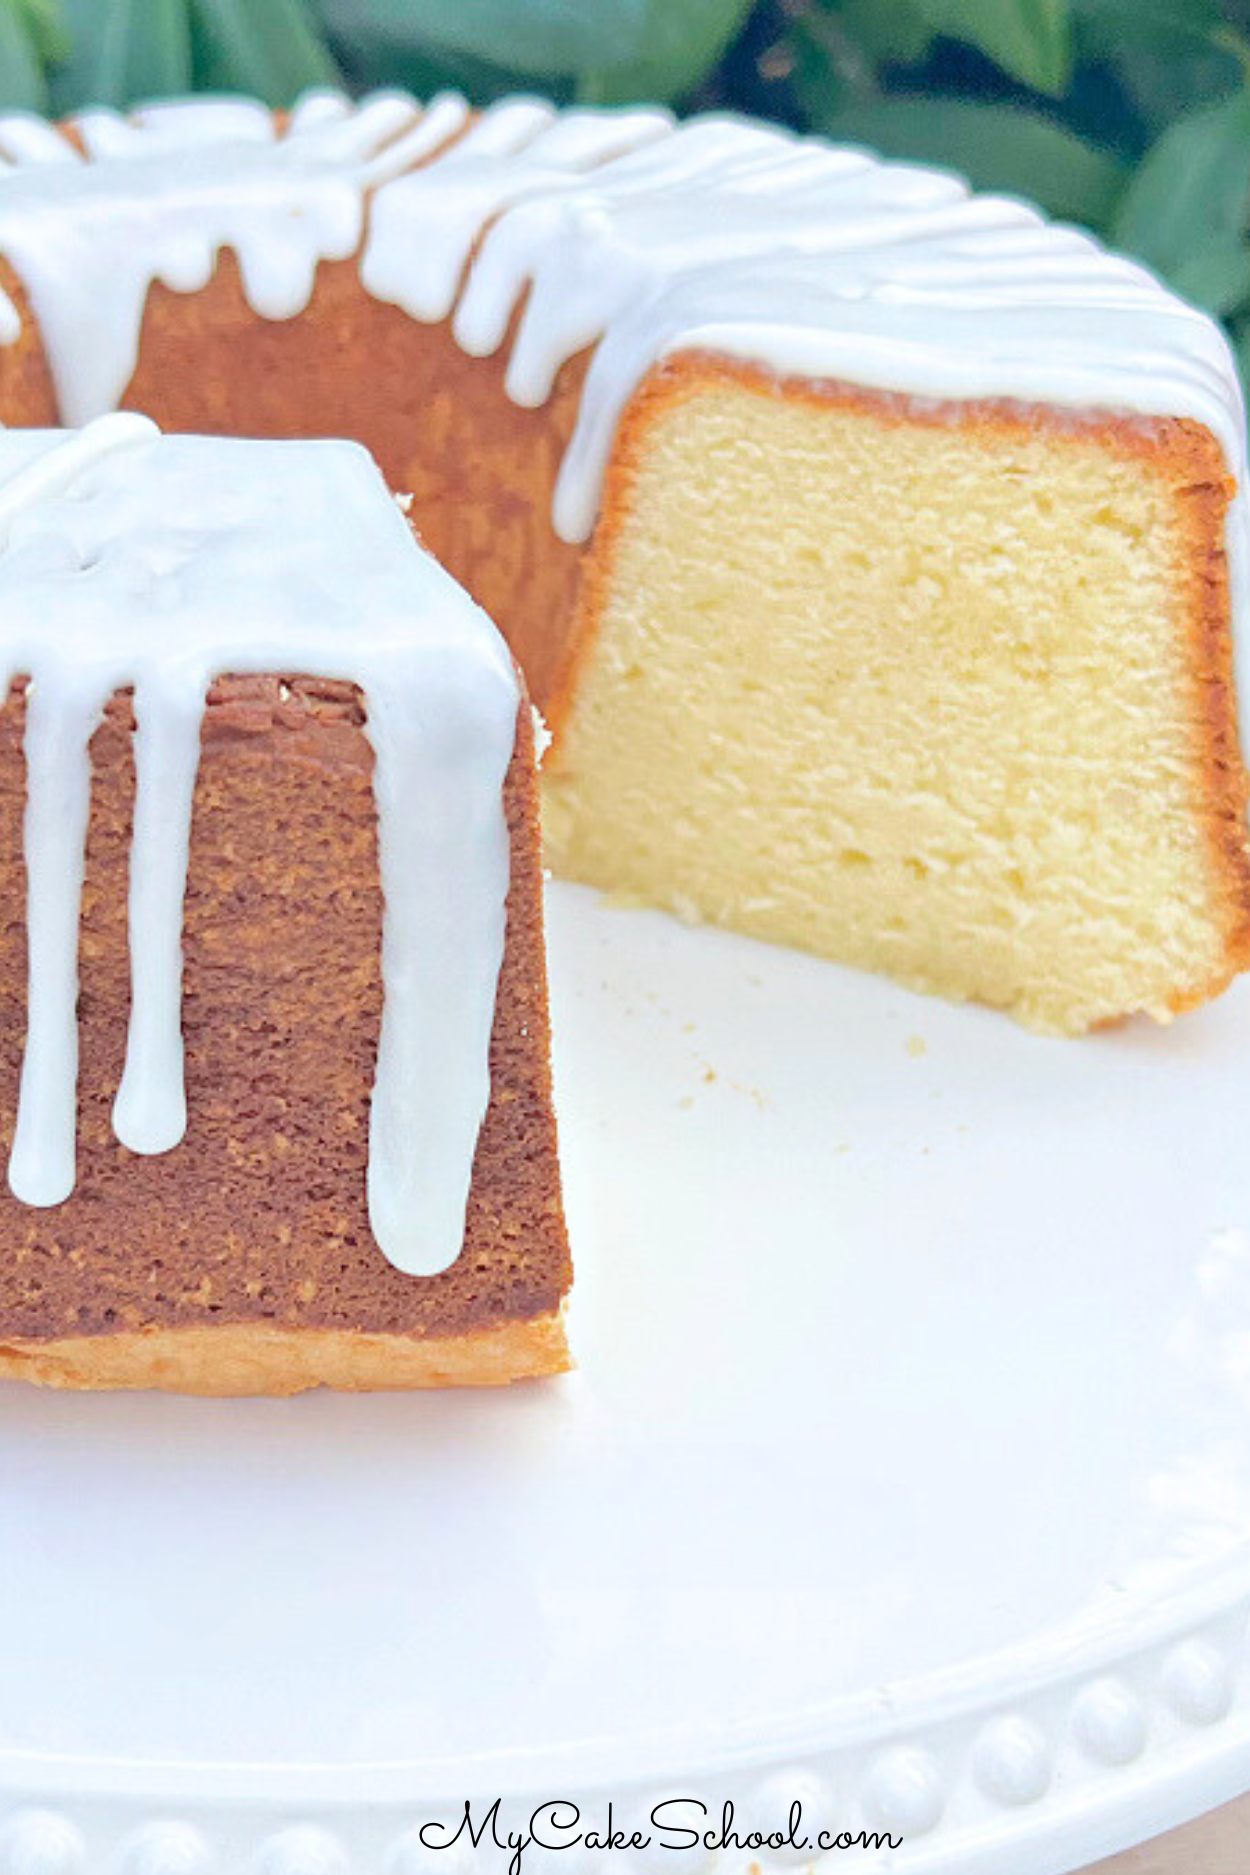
[[876, 550], [938, 689], [268, 817]]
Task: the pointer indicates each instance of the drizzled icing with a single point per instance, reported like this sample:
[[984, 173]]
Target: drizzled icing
[[616, 230], [159, 196], [789, 251], [422, 235], [128, 559]]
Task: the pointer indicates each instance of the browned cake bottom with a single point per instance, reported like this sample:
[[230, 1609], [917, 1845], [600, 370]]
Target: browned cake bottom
[[244, 1359]]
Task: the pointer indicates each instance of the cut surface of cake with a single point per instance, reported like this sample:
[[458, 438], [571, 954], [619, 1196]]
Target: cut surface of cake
[[275, 1071], [988, 740], [874, 548]]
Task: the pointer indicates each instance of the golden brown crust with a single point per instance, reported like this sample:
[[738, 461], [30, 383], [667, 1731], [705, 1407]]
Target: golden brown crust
[[259, 1217], [481, 470], [27, 396], [1203, 489], [254, 1358], [1183, 451]]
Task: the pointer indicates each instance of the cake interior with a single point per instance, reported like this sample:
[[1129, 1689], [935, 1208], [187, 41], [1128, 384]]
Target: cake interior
[[941, 690], [929, 690], [936, 689]]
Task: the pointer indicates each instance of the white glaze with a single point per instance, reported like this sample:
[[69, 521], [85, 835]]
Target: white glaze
[[166, 191], [128, 559], [612, 229], [799, 255], [424, 225], [27, 140], [155, 129]]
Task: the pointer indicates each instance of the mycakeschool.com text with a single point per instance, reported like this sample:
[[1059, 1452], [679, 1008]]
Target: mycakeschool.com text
[[682, 1825]]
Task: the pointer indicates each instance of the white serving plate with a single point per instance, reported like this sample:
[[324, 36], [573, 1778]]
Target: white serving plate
[[907, 1471]]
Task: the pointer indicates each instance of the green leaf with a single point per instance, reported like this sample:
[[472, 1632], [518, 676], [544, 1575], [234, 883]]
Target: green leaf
[[684, 43], [617, 48], [1030, 39], [366, 65], [997, 146], [1241, 349], [1216, 276], [122, 52], [892, 32], [44, 26], [1162, 84], [1193, 185], [22, 85], [829, 67], [1147, 21], [1169, 54], [268, 48]]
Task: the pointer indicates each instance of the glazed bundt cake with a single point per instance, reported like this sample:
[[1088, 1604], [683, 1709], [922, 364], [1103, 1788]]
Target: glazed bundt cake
[[872, 547], [301, 1133]]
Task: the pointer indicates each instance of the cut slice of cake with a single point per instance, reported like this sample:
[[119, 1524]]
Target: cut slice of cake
[[942, 690], [275, 1075], [875, 548]]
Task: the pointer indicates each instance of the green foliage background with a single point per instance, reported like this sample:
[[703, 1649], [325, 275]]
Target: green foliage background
[[1132, 116]]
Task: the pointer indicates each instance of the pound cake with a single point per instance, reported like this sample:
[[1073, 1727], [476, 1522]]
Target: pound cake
[[873, 547], [282, 1112]]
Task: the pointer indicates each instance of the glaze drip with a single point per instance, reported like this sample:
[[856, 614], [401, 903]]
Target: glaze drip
[[788, 251], [612, 230], [159, 195], [165, 563], [616, 230]]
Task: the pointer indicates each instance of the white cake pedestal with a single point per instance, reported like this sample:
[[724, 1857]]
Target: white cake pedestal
[[907, 1471]]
